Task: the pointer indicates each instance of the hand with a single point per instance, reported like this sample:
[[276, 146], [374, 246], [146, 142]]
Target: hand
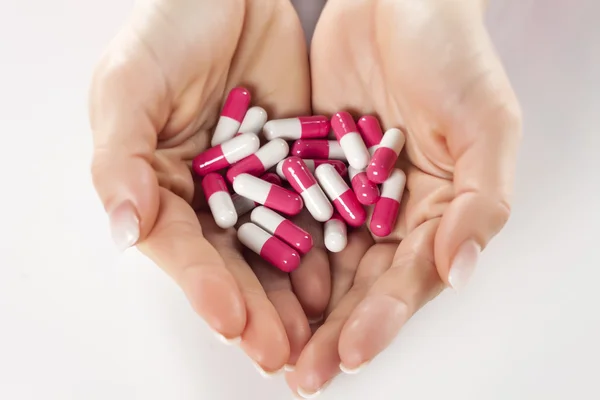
[[428, 67], [155, 99]]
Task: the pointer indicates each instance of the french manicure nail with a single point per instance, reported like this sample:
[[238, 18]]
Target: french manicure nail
[[263, 373], [289, 368], [306, 395], [353, 371], [226, 341], [124, 225], [464, 264]]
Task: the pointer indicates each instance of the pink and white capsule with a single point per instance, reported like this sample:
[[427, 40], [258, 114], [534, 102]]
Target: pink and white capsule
[[256, 164], [366, 191], [273, 196], [350, 140], [385, 157], [303, 182], [232, 115], [219, 201], [283, 229], [254, 120], [225, 154], [335, 234], [244, 205], [312, 164], [271, 249], [341, 195], [318, 149], [315, 126], [371, 132], [386, 209]]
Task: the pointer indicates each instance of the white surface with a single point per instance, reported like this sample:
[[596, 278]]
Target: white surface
[[393, 187], [334, 235], [316, 203], [78, 322], [288, 129], [267, 219], [253, 237], [226, 129], [222, 208], [331, 181], [272, 152], [355, 150], [252, 188], [254, 120], [240, 147], [393, 139]]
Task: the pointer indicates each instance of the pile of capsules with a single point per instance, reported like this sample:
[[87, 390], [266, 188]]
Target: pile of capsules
[[312, 175]]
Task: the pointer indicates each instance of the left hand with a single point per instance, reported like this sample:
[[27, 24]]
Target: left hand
[[427, 67]]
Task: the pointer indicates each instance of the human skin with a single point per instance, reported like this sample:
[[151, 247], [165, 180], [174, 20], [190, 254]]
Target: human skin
[[155, 98], [430, 68]]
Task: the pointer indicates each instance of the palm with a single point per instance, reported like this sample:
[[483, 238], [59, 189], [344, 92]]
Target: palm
[[364, 58], [185, 56]]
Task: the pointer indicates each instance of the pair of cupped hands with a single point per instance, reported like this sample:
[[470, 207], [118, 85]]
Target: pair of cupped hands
[[426, 66]]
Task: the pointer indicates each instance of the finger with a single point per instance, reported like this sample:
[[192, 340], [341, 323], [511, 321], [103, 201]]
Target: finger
[[312, 279], [396, 295], [483, 138], [279, 291], [320, 360], [345, 264], [178, 246], [125, 104], [264, 337]]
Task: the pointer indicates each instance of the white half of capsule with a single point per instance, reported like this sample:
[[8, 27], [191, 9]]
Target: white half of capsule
[[310, 164], [335, 235], [336, 152], [267, 219], [240, 147], [226, 129], [352, 172], [393, 187], [252, 188], [252, 236], [355, 150], [254, 120], [317, 204], [393, 139], [372, 149], [273, 152], [222, 208], [242, 205], [331, 181], [288, 128]]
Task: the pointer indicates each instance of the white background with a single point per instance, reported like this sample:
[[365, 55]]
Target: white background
[[79, 321]]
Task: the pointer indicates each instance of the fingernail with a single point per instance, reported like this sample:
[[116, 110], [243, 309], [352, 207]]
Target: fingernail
[[315, 320], [464, 264], [311, 395], [263, 373], [289, 368], [353, 371], [227, 341], [124, 225]]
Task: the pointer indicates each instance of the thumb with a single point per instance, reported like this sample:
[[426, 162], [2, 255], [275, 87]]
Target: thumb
[[482, 138], [122, 112]]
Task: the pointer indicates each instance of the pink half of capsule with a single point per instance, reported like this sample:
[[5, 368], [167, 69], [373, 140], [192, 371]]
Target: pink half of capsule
[[350, 140], [312, 164], [225, 154], [315, 126], [341, 195], [219, 200], [303, 181], [371, 132], [318, 149], [282, 228], [256, 164], [243, 205], [366, 191], [385, 157], [273, 196], [232, 115], [387, 207], [268, 247]]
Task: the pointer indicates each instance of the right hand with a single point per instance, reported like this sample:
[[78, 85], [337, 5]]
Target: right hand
[[156, 96]]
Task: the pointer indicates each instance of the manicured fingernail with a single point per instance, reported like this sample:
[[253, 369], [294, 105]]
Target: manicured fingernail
[[263, 373], [228, 341], [307, 395], [353, 371], [124, 225], [464, 264], [289, 368]]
